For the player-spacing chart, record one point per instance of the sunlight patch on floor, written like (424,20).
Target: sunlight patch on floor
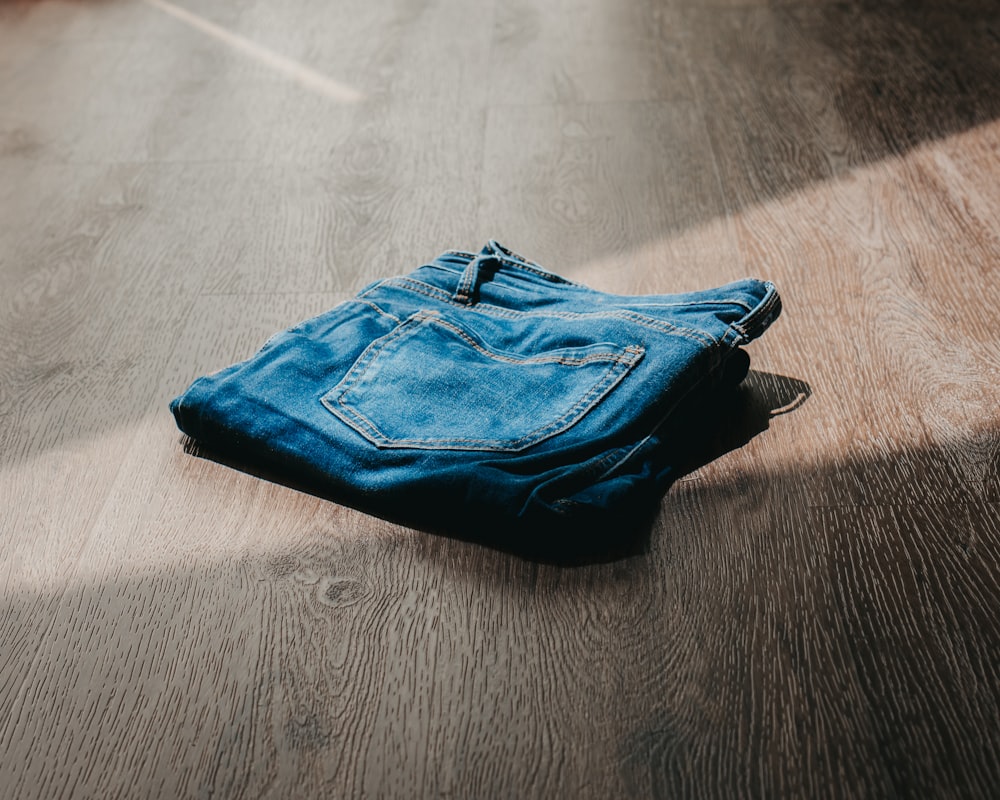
(301,74)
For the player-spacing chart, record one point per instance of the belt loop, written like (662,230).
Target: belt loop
(470,277)
(463,294)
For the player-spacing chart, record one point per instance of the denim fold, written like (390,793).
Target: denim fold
(482,389)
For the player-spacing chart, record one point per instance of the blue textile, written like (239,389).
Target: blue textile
(484,387)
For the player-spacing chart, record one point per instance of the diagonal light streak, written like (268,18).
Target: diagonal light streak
(309,78)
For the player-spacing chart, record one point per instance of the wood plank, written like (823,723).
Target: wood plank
(608,53)
(578,185)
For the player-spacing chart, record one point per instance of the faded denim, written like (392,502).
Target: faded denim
(484,388)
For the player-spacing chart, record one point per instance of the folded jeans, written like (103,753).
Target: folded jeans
(483,387)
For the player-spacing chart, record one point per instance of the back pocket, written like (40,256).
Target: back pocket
(431,385)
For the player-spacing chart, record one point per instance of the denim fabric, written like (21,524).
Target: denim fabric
(484,387)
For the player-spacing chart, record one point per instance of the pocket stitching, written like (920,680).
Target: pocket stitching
(620,364)
(529,359)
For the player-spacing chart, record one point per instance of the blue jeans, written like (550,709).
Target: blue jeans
(480,389)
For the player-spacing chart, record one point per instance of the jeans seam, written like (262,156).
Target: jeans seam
(535,436)
(739,303)
(490,310)
(551,277)
(570,362)
(618,366)
(759,317)
(381,311)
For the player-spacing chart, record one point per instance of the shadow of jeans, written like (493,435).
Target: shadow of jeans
(705,426)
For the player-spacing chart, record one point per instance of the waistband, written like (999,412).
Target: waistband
(495,263)
(497,281)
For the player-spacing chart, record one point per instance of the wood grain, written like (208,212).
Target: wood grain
(814,614)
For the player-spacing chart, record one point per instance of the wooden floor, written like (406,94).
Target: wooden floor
(817,612)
